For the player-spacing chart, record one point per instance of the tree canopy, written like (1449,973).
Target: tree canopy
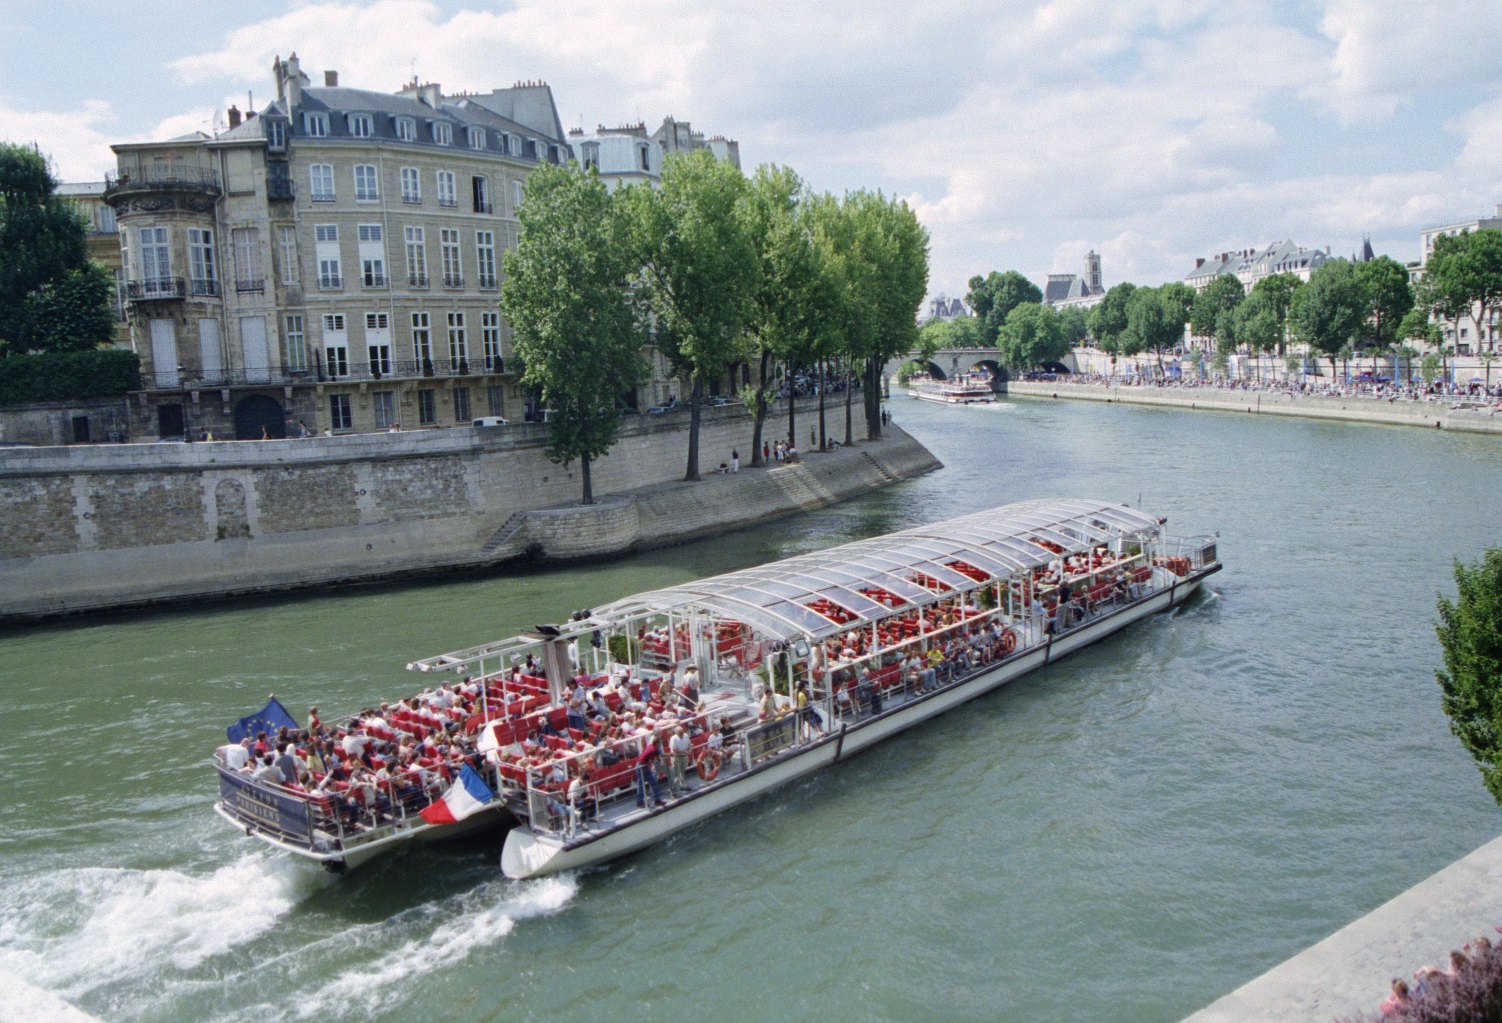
(52,298)
(1470,639)
(1328,311)
(1389,297)
(1108,320)
(994,296)
(566,294)
(698,268)
(1033,334)
(1212,311)
(1464,277)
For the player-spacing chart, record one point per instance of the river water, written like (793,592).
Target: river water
(1125,835)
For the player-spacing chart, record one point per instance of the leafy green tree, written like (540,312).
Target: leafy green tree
(1464,277)
(1389,297)
(698,269)
(1033,334)
(1417,326)
(1155,320)
(1470,639)
(1275,292)
(1075,323)
(1108,320)
(568,298)
(960,332)
(52,298)
(795,291)
(1212,310)
(994,296)
(1328,311)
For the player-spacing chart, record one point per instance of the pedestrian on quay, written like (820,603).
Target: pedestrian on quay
(735,460)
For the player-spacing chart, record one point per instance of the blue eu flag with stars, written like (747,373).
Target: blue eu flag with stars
(268,719)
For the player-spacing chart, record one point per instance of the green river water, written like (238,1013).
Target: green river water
(1125,835)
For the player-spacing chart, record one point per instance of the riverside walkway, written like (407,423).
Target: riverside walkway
(1436,414)
(1351,970)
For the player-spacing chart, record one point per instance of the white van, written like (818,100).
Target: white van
(491,421)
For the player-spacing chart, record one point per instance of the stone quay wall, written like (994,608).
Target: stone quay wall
(86,528)
(1430,414)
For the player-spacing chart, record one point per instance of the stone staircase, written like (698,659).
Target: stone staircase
(881,470)
(508,531)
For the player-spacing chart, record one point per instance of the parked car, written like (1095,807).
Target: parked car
(491,421)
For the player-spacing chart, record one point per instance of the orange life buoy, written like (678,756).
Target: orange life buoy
(1008,641)
(708,765)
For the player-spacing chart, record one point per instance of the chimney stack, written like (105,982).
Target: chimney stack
(1198,262)
(234,117)
(331,79)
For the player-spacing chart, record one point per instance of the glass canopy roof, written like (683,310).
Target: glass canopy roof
(775,598)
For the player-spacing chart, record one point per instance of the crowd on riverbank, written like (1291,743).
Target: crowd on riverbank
(1460,397)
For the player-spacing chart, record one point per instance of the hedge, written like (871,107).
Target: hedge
(68,376)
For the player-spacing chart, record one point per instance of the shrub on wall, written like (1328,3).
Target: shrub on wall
(68,376)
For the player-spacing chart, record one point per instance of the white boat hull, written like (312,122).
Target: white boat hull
(530,854)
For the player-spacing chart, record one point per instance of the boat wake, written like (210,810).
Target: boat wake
(446,931)
(75,930)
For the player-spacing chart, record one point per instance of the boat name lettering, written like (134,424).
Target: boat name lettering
(279,813)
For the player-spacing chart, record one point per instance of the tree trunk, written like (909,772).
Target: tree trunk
(871,397)
(761,411)
(823,388)
(693,431)
(792,403)
(589,494)
(849,398)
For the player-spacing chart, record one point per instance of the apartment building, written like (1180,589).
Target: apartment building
(331,261)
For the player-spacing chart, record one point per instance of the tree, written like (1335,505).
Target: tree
(568,298)
(1212,309)
(794,292)
(994,296)
(1418,326)
(1033,334)
(1076,325)
(52,298)
(1389,297)
(1155,319)
(698,269)
(1464,277)
(1276,292)
(1470,639)
(1108,320)
(1327,313)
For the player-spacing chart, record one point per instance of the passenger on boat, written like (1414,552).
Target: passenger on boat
(235,754)
(766,702)
(313,723)
(581,802)
(597,708)
(286,764)
(646,772)
(679,746)
(866,693)
(813,720)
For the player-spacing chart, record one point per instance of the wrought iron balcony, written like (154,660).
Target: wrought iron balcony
(330,282)
(280,188)
(373,280)
(417,280)
(486,281)
(162,179)
(250,284)
(453,280)
(203,288)
(483,207)
(447,202)
(156,289)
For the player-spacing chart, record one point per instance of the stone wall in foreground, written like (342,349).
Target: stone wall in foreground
(95,527)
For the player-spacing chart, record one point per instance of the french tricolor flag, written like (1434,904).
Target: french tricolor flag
(467,796)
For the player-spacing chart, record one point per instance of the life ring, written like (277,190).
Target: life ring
(708,765)
(1008,641)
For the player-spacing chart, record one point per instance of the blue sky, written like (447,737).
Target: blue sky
(1024,134)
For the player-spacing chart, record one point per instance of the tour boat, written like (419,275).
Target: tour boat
(968,389)
(790,667)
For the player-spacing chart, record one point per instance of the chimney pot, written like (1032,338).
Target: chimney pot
(331,79)
(234,117)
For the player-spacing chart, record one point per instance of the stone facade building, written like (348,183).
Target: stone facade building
(1062,290)
(1479,331)
(1251,265)
(332,260)
(631,155)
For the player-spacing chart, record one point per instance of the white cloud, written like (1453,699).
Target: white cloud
(75,140)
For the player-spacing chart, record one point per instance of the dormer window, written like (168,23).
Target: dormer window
(477,138)
(406,129)
(443,133)
(316,125)
(361,126)
(513,145)
(276,134)
(591,155)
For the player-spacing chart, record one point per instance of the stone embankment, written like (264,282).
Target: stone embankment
(1351,970)
(95,527)
(1429,414)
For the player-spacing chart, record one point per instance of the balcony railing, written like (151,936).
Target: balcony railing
(417,280)
(448,202)
(362,370)
(486,281)
(330,282)
(453,280)
(156,289)
(412,200)
(250,284)
(203,288)
(323,196)
(481,206)
(163,179)
(280,188)
(373,280)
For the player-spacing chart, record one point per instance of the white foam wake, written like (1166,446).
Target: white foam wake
(76,929)
(469,922)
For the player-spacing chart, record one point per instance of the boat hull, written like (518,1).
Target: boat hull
(528,854)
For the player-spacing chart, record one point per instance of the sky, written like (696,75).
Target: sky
(1023,133)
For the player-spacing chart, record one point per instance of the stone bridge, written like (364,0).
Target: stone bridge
(948,363)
